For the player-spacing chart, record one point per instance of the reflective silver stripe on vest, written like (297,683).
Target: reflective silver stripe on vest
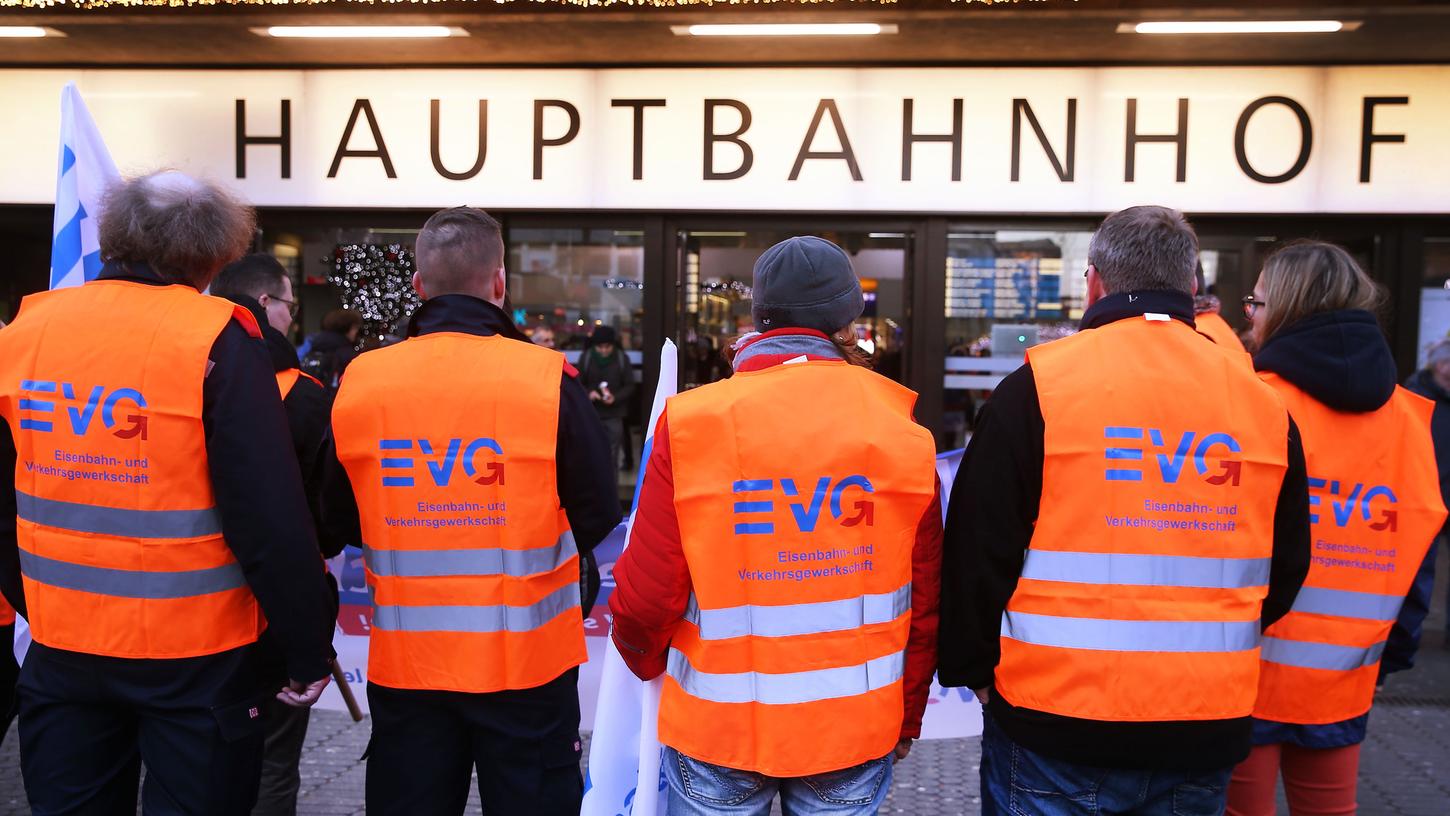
(89,518)
(1347,604)
(1130,635)
(1308,655)
(470,562)
(786,689)
(477,618)
(121,583)
(798,619)
(1145,570)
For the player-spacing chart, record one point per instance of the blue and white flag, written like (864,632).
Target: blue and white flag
(624,756)
(86,170)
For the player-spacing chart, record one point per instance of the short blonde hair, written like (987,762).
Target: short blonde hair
(1306,278)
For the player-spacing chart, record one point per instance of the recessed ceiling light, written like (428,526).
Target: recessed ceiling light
(362,32)
(784,29)
(27,32)
(1238,27)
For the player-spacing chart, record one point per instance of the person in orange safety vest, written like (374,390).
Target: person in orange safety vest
(1118,537)
(157,508)
(782,573)
(259,283)
(1375,507)
(476,475)
(1208,317)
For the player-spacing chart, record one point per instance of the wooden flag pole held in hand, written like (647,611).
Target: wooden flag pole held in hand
(346,691)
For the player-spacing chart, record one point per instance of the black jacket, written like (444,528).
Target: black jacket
(585,477)
(994,505)
(309,413)
(259,496)
(328,356)
(615,370)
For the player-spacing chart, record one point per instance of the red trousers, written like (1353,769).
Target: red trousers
(1317,782)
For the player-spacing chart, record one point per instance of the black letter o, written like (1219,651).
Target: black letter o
(1306,143)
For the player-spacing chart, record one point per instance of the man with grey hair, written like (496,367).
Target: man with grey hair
(472,464)
(1116,540)
(145,430)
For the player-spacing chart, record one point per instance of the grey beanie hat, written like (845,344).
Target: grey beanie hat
(806,283)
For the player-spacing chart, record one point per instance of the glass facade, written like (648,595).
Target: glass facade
(716,268)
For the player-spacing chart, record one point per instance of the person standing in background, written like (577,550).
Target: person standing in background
(473,469)
(261,285)
(1115,544)
(797,634)
(1208,317)
(328,353)
(1433,383)
(147,584)
(1365,439)
(605,372)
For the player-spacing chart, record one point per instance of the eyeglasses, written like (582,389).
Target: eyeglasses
(291,304)
(1252,305)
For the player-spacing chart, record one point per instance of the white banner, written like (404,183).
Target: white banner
(953,140)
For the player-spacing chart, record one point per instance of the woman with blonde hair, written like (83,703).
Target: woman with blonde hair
(1374,505)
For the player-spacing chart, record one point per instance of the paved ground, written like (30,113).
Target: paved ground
(1405,767)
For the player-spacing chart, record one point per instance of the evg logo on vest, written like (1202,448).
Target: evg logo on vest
(38,407)
(399,465)
(1359,497)
(805,513)
(1128,448)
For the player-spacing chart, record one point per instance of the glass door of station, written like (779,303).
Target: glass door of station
(714,273)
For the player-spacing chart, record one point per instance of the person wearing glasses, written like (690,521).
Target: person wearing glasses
(260,284)
(1375,507)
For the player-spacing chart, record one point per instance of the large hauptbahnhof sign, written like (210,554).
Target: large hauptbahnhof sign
(1251,140)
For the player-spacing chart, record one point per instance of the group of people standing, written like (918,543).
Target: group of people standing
(1168,572)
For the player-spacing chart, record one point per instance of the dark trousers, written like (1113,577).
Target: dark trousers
(9,673)
(88,722)
(524,745)
(286,731)
(1016,780)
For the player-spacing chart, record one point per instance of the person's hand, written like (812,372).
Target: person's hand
(983,694)
(594,396)
(903,748)
(302,695)
(608,399)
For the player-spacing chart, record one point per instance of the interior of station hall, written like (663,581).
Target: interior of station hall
(957,283)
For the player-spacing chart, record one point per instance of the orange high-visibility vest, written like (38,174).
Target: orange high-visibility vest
(287,380)
(798,527)
(449,441)
(1213,326)
(1375,509)
(120,541)
(1140,595)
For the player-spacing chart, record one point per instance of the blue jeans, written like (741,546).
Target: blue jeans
(701,789)
(1019,782)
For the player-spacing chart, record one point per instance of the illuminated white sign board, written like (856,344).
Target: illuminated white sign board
(969,140)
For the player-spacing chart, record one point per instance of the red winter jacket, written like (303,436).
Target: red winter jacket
(653,583)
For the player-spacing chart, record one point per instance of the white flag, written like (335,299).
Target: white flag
(624,755)
(85,171)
